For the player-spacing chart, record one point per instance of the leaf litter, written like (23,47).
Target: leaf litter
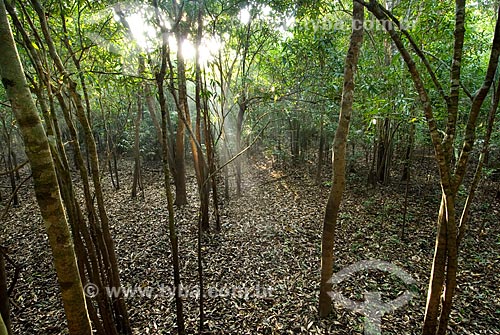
(261,273)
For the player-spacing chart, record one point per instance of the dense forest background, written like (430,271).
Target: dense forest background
(217,161)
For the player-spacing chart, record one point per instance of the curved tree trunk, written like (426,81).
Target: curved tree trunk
(339,152)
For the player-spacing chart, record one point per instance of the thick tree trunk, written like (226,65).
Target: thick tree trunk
(45,180)
(339,163)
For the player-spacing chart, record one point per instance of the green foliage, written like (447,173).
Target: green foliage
(286,63)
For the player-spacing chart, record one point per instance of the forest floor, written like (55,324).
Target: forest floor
(261,271)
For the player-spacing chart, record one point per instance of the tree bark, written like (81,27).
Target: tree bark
(4,296)
(339,162)
(482,157)
(137,180)
(172,229)
(320,151)
(183,111)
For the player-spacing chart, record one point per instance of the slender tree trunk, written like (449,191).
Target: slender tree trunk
(183,111)
(482,157)
(321,150)
(122,319)
(225,169)
(102,264)
(339,153)
(211,158)
(180,166)
(9,163)
(199,159)
(201,170)
(239,128)
(12,177)
(137,180)
(174,242)
(109,156)
(86,247)
(114,154)
(172,229)
(407,175)
(45,180)
(294,140)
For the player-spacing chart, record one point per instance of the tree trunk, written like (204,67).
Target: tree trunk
(211,160)
(239,128)
(406,177)
(384,151)
(172,229)
(45,181)
(4,297)
(108,145)
(3,328)
(482,158)
(201,166)
(182,110)
(9,164)
(320,151)
(339,162)
(137,180)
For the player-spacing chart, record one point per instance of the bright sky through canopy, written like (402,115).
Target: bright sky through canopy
(142,31)
(147,35)
(244,15)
